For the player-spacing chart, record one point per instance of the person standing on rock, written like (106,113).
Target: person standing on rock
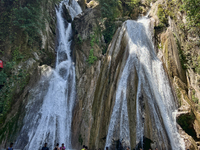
(62,147)
(45,147)
(10,148)
(57,147)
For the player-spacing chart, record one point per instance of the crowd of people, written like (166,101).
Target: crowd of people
(63,147)
(83,148)
(127,148)
(140,148)
(56,148)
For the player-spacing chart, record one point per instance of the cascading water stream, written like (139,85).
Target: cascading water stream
(153,84)
(52,122)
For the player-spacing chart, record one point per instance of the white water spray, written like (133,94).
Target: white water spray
(52,122)
(153,83)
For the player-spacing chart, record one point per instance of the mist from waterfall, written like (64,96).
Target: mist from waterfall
(51,123)
(153,83)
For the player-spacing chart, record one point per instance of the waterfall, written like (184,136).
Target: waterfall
(51,122)
(153,94)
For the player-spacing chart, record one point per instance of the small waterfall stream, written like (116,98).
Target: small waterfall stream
(153,93)
(52,122)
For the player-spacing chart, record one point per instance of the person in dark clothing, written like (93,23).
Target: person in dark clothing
(106,148)
(86,148)
(57,147)
(45,147)
(10,148)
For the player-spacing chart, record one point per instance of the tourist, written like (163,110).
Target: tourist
(127,148)
(57,147)
(10,148)
(62,147)
(106,148)
(140,148)
(45,147)
(83,147)
(156,148)
(86,148)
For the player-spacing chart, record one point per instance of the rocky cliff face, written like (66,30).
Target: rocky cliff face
(92,112)
(97,87)
(33,67)
(87,75)
(172,42)
(97,82)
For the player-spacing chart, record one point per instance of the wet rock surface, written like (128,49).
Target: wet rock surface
(96,96)
(171,41)
(97,83)
(35,68)
(66,14)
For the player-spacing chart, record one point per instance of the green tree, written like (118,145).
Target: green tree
(109,9)
(192,8)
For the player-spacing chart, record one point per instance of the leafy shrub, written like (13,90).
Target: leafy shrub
(3,77)
(192,8)
(161,15)
(29,19)
(110,11)
(197,67)
(92,58)
(194,97)
(109,8)
(15,81)
(16,55)
(133,3)
(109,32)
(80,139)
(21,15)
(80,40)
